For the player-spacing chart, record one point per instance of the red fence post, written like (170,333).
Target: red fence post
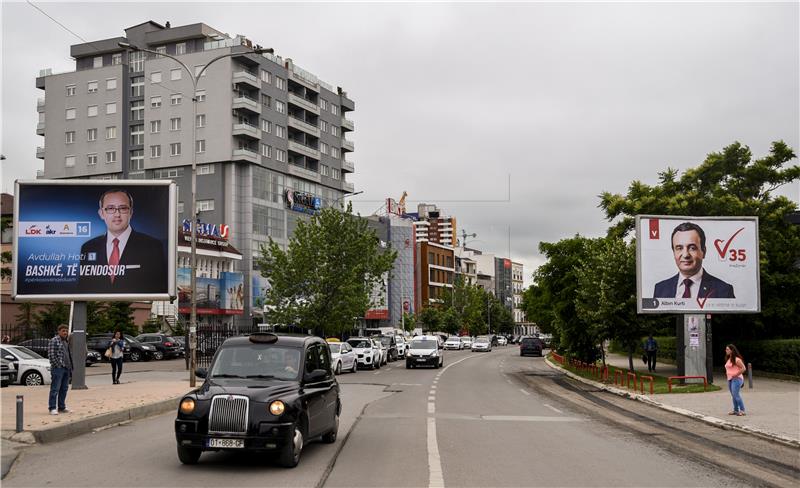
(652,381)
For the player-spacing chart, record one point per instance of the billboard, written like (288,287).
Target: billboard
(215,296)
(697,264)
(94,240)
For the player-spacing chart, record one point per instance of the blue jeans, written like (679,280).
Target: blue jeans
(735,385)
(59,384)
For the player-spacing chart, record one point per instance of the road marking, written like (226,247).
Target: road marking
(434,387)
(435,475)
(431,398)
(431,407)
(524,392)
(377,372)
(509,381)
(553,408)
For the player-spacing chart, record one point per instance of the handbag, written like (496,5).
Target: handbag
(644,358)
(108,353)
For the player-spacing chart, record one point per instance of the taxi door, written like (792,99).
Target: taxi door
(317,394)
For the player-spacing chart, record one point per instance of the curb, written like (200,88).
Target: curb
(84,426)
(713,421)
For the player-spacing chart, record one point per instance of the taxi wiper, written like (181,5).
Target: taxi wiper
(265,376)
(227,376)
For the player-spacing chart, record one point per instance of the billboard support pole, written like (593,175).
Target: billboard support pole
(680,345)
(77,345)
(709,352)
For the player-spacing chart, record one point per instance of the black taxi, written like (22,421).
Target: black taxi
(263,392)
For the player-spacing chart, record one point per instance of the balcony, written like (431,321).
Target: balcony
(303,149)
(247,130)
(39,174)
(245,103)
(246,78)
(40,152)
(347,146)
(303,103)
(303,126)
(348,167)
(40,129)
(347,125)
(245,155)
(40,104)
(348,187)
(303,173)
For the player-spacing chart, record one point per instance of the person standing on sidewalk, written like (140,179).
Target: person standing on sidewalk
(60,371)
(651,349)
(117,346)
(734,369)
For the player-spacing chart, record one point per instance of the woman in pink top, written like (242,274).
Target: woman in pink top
(734,367)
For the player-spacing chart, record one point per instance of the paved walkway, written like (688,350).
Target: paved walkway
(772,405)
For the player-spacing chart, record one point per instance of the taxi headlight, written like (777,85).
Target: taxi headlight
(277,407)
(187,406)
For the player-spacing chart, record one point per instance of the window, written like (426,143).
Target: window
(266,76)
(91,87)
(335,130)
(280,131)
(280,155)
(137,110)
(70,90)
(91,135)
(180,48)
(205,205)
(111,157)
(91,110)
(175,149)
(266,126)
(137,135)
(266,150)
(334,109)
(137,86)
(323,147)
(111,132)
(155,151)
(97,62)
(155,77)
(199,71)
(266,100)
(268,221)
(69,161)
(136,61)
(205,169)
(175,123)
(137,161)
(280,83)
(325,126)
(111,84)
(335,152)
(155,126)
(175,74)
(155,102)
(280,107)
(111,108)
(324,170)
(180,207)
(323,104)
(161,50)
(116,59)
(167,173)
(91,159)
(69,137)
(200,95)
(175,99)
(200,146)
(336,174)
(200,120)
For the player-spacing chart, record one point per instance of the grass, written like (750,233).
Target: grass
(659,382)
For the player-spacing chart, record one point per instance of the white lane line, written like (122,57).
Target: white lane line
(524,392)
(431,398)
(433,387)
(431,408)
(553,408)
(435,475)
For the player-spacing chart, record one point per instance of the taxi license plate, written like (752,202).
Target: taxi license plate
(226,443)
(421,360)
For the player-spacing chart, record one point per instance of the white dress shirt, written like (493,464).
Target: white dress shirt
(694,289)
(123,239)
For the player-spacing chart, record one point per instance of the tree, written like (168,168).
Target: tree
(730,182)
(325,276)
(450,322)
(410,321)
(431,319)
(119,315)
(5,271)
(96,318)
(51,317)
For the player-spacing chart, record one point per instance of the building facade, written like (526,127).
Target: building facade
(435,272)
(267,135)
(398,295)
(504,290)
(517,286)
(432,226)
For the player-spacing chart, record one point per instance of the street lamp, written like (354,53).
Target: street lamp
(349,194)
(195,79)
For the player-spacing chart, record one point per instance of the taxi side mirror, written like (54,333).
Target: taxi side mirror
(314,376)
(201,372)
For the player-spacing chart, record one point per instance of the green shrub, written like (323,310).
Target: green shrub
(666,347)
(774,356)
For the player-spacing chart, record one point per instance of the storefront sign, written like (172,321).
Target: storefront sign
(302,202)
(219,231)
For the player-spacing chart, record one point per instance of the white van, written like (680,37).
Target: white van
(424,351)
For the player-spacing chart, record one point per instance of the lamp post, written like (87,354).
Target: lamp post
(349,194)
(195,79)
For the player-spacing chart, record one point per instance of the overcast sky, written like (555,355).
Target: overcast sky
(569,99)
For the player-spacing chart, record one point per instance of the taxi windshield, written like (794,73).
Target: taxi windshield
(257,361)
(424,344)
(335,347)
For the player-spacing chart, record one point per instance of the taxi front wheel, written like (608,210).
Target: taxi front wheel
(290,454)
(189,455)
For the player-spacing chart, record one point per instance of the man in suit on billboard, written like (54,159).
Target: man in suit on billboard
(122,260)
(692,281)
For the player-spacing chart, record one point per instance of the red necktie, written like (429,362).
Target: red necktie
(114,259)
(686,293)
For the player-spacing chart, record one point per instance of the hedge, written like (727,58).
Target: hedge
(666,347)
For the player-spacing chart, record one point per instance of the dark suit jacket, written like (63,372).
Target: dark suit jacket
(710,287)
(142,250)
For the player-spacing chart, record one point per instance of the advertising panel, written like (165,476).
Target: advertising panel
(258,289)
(215,296)
(94,240)
(697,264)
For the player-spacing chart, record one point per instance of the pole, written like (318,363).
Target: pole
(77,345)
(489,313)
(20,411)
(193,319)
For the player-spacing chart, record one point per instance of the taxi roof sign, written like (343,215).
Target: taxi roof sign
(263,338)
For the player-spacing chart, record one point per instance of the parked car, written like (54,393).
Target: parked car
(166,347)
(502,341)
(482,343)
(8,373)
(466,342)
(424,351)
(390,344)
(367,354)
(343,357)
(384,352)
(138,350)
(181,347)
(453,342)
(531,345)
(264,392)
(32,369)
(39,346)
(402,346)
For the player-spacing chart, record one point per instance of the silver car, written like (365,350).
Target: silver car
(482,344)
(343,357)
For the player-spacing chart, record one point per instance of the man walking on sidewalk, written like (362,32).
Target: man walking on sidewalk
(60,371)
(651,348)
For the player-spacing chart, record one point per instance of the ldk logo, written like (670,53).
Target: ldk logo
(33,230)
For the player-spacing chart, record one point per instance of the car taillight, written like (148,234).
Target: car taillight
(168,344)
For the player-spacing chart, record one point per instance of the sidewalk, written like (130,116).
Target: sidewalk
(772,405)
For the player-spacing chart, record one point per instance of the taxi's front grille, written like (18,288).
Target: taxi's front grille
(228,414)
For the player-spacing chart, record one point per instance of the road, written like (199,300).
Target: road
(486,419)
